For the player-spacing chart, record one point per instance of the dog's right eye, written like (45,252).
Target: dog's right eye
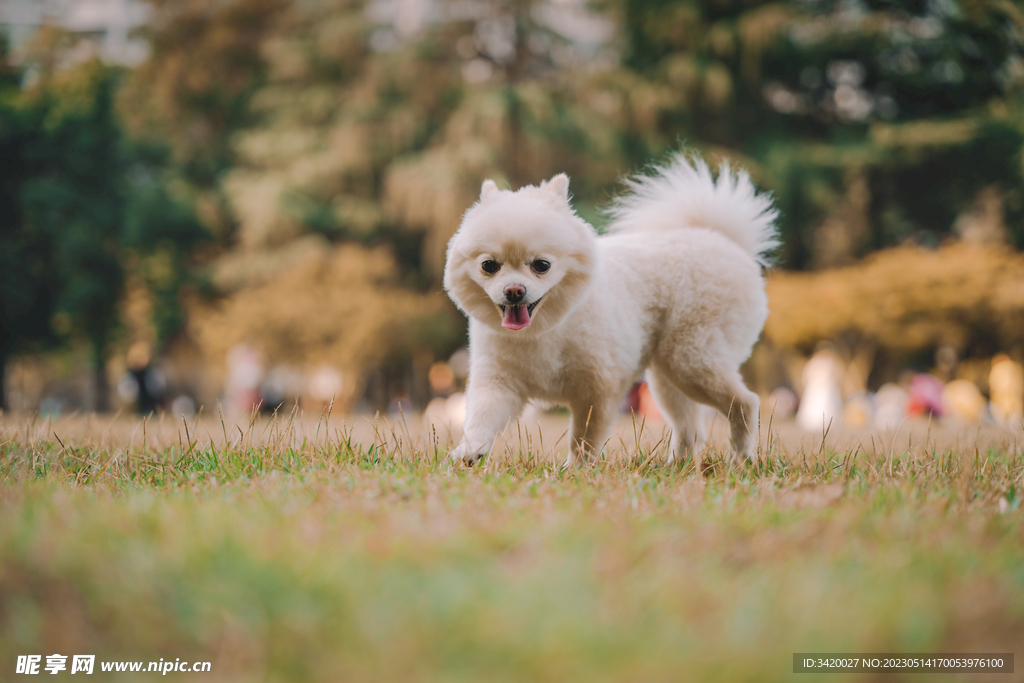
(490,267)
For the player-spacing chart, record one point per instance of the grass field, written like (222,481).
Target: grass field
(290,551)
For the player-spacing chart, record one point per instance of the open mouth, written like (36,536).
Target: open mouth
(517,316)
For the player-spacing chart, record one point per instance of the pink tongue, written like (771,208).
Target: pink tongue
(516,317)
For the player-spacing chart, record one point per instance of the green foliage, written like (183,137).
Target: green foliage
(195,90)
(337,123)
(832,102)
(81,207)
(75,197)
(161,234)
(28,292)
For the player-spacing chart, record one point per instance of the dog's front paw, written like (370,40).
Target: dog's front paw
(464,455)
(574,460)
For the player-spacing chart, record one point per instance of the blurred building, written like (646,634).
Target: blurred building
(105,27)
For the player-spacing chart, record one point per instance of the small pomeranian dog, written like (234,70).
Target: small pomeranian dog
(560,314)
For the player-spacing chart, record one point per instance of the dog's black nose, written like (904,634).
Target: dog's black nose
(515,293)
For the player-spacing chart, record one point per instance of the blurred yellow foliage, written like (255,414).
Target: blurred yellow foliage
(904,298)
(342,307)
(757,29)
(430,193)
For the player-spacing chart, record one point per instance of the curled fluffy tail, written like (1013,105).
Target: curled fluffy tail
(683,194)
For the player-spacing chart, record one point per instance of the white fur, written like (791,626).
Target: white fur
(676,289)
(685,194)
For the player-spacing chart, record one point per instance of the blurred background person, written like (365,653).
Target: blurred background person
(890,407)
(821,404)
(325,387)
(242,385)
(1006,384)
(143,385)
(963,402)
(925,397)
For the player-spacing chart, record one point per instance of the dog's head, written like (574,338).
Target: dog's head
(521,260)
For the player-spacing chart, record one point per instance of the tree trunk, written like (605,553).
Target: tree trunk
(102,388)
(3,377)
(100,385)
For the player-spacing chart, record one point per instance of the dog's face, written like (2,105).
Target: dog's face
(521,260)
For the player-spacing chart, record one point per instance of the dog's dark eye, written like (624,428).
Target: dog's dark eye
(490,267)
(541,266)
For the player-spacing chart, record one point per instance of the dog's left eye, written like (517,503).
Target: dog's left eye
(541,266)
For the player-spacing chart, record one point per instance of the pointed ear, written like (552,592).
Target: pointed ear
(489,190)
(557,186)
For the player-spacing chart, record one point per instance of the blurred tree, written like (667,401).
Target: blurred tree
(161,237)
(194,92)
(27,288)
(873,121)
(963,296)
(89,205)
(327,98)
(76,197)
(524,112)
(316,124)
(342,306)
(350,118)
(364,126)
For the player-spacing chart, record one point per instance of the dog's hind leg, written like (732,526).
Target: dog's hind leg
(686,417)
(725,391)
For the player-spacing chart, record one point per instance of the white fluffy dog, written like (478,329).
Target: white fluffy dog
(561,314)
